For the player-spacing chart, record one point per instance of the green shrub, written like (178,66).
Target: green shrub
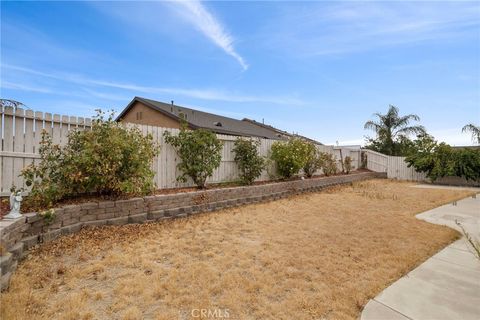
(290,156)
(108,160)
(249,162)
(440,160)
(312,163)
(48,179)
(328,163)
(347,164)
(199,152)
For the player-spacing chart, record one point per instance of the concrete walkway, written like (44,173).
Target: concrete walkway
(446,286)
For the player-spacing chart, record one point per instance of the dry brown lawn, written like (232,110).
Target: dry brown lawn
(314,256)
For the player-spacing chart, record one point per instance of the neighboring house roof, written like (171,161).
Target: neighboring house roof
(280,133)
(199,119)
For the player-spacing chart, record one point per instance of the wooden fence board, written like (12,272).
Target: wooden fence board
(20,147)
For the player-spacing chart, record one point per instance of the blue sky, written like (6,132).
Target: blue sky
(317,68)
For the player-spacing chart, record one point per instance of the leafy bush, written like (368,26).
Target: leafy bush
(347,164)
(290,156)
(199,151)
(249,162)
(48,216)
(109,160)
(48,179)
(328,163)
(312,162)
(440,160)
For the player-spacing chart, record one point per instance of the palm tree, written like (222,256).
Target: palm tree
(391,127)
(475,131)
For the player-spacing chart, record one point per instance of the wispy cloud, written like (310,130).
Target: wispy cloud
(203,94)
(23,87)
(195,13)
(349,27)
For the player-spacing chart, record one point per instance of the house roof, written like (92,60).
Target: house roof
(280,133)
(200,119)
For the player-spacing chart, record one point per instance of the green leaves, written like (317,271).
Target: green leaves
(109,160)
(248,160)
(199,151)
(290,156)
(440,160)
(328,163)
(392,132)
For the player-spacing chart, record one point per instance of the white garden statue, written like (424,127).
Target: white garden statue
(15,202)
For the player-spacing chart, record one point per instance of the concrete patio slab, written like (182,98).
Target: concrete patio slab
(446,286)
(419,299)
(458,257)
(377,311)
(436,186)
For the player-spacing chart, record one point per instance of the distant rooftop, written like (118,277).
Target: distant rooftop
(201,119)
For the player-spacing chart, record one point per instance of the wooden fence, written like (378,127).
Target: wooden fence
(21,135)
(395,167)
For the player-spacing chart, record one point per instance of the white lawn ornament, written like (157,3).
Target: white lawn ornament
(15,202)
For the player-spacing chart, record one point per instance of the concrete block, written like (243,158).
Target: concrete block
(95,211)
(53,226)
(76,227)
(138,218)
(65,216)
(121,212)
(106,215)
(70,221)
(171,212)
(137,211)
(95,223)
(88,217)
(111,209)
(5,281)
(117,221)
(106,204)
(89,205)
(34,231)
(74,210)
(51,235)
(155,215)
(32,217)
(129,203)
(17,250)
(5,262)
(30,241)
(187,210)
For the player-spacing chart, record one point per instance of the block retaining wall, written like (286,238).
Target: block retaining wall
(20,235)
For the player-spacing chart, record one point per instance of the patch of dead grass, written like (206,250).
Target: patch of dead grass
(321,256)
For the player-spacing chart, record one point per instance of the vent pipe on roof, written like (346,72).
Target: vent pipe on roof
(172,102)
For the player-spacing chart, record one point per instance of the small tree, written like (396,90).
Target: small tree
(248,160)
(312,162)
(347,164)
(328,163)
(289,156)
(199,151)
